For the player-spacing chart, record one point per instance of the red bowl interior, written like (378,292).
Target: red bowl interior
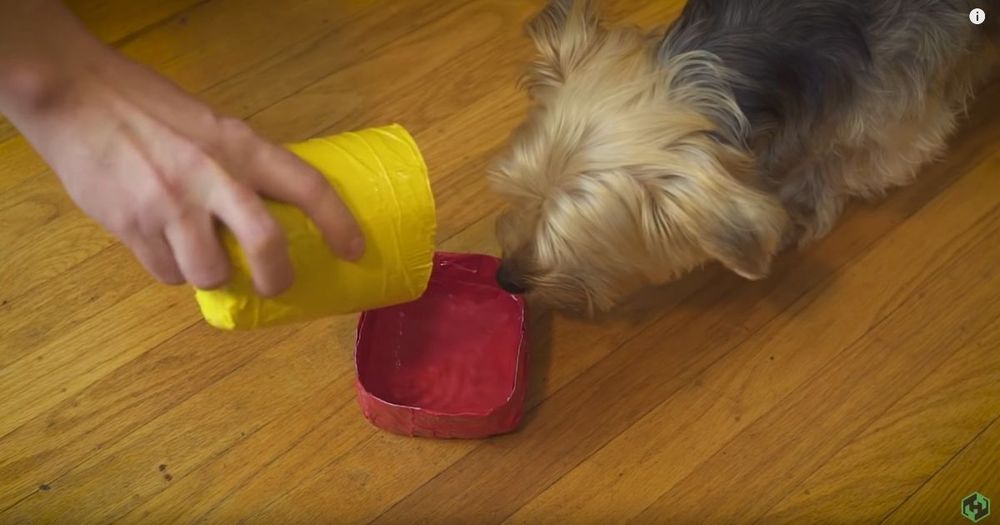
(454,352)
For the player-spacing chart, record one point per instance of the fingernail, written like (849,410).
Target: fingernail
(356,249)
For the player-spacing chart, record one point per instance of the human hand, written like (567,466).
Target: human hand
(159,169)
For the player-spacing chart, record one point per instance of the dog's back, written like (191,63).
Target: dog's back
(842,96)
(801,60)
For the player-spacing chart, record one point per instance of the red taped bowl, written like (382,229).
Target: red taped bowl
(451,364)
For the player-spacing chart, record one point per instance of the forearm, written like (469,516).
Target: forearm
(44,50)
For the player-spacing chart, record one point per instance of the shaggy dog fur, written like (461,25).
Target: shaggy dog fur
(742,129)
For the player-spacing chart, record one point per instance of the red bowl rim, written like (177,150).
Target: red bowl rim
(519,372)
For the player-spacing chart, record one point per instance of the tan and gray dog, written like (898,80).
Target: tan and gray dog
(742,129)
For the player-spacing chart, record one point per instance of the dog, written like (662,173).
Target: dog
(739,131)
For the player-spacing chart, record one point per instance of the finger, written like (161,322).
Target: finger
(258,233)
(287,178)
(197,250)
(155,255)
(279,174)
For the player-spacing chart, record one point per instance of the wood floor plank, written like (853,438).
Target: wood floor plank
(52,249)
(909,444)
(224,489)
(28,321)
(115,20)
(18,163)
(237,408)
(55,371)
(55,443)
(32,204)
(803,430)
(975,469)
(223,38)
(364,41)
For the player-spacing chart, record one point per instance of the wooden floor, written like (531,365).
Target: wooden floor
(860,383)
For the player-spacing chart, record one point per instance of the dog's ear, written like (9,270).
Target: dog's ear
(749,235)
(703,208)
(746,225)
(563,32)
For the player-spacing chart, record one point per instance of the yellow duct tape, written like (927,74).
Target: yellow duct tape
(382,178)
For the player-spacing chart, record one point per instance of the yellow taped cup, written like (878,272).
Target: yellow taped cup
(381,176)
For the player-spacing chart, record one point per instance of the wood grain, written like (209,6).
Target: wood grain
(977,464)
(858,384)
(951,407)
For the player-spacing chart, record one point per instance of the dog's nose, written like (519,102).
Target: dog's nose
(507,281)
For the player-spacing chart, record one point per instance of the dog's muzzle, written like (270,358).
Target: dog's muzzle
(507,281)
